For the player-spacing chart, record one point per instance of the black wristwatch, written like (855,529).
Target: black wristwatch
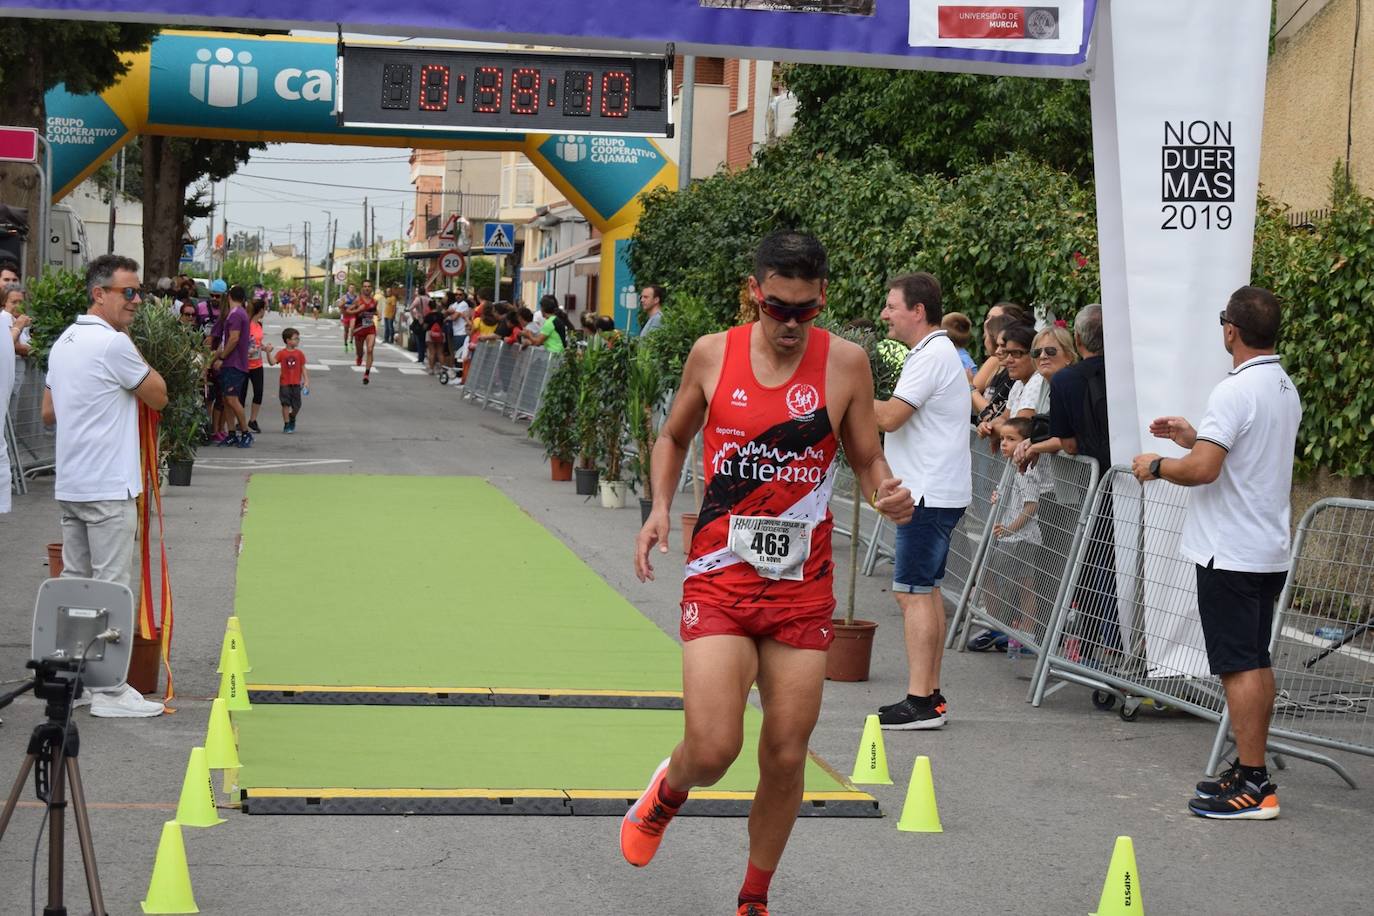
(1154,468)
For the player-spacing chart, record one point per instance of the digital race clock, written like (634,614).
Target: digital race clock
(421,88)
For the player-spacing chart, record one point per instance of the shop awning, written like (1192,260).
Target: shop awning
(561,258)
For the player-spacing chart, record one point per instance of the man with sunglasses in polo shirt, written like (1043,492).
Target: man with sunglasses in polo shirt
(1240,460)
(773,400)
(96,379)
(926,421)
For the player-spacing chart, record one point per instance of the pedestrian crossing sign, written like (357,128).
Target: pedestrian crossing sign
(498,238)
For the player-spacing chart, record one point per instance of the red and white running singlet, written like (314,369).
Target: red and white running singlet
(770,455)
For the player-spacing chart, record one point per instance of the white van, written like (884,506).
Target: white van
(67,244)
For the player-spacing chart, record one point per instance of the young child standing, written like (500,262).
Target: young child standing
(1012,564)
(960,331)
(295,378)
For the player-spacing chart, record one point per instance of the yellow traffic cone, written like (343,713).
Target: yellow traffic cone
(169,890)
(870,764)
(233,644)
(231,687)
(197,805)
(919,813)
(1121,890)
(220,750)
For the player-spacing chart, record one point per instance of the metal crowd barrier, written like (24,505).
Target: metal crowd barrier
(35,445)
(539,365)
(483,370)
(18,484)
(1323,641)
(1129,627)
(1037,521)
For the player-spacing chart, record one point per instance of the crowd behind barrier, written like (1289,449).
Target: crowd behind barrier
(1100,595)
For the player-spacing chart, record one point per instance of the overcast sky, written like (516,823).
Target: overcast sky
(288,184)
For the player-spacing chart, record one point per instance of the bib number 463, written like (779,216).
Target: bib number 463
(770,544)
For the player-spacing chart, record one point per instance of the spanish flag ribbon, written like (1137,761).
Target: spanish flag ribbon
(148,627)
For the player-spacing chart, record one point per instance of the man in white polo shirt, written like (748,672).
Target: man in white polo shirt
(96,378)
(1240,460)
(927,446)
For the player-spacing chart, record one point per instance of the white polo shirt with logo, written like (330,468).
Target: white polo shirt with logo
(1239,522)
(929,453)
(92,373)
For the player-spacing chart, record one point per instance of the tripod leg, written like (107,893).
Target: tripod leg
(13,799)
(57,822)
(83,833)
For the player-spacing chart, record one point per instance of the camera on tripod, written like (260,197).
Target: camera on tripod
(82,637)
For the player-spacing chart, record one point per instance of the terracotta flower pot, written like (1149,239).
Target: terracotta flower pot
(145,664)
(689,527)
(54,560)
(560,469)
(849,655)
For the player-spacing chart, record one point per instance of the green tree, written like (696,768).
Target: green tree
(942,122)
(39,54)
(175,164)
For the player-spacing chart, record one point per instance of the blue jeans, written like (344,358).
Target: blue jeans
(923,548)
(388,330)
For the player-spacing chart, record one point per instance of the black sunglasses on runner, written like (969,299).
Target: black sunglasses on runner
(786,311)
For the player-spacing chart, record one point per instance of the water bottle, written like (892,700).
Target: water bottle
(305,391)
(1013,650)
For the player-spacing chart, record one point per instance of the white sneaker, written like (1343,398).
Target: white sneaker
(124,703)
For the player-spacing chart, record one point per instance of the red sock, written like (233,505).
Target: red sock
(670,797)
(755,889)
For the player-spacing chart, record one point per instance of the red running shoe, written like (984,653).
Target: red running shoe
(641,830)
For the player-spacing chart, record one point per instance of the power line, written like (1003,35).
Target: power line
(326,161)
(352,187)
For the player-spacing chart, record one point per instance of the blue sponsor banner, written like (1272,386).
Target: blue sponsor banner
(81,129)
(626,296)
(607,171)
(880,33)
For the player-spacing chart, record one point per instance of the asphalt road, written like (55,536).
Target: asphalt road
(1031,800)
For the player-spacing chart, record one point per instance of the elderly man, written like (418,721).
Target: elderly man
(96,378)
(1240,459)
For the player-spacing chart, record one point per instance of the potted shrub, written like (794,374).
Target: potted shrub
(608,381)
(587,429)
(54,301)
(686,319)
(554,424)
(645,396)
(180,356)
(851,653)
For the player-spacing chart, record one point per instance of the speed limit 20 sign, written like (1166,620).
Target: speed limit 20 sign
(452,263)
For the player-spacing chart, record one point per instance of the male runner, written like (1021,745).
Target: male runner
(364,312)
(346,314)
(759,591)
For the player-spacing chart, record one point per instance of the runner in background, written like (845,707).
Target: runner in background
(776,397)
(345,304)
(364,313)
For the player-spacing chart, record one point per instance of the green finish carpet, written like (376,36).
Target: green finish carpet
(357,581)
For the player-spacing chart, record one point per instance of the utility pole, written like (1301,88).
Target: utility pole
(116,187)
(261,233)
(210,236)
(226,227)
(305,280)
(366,237)
(376,255)
(688,96)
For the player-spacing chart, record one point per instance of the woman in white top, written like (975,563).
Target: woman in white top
(1028,389)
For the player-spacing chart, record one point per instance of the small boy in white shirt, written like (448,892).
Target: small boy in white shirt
(1017,534)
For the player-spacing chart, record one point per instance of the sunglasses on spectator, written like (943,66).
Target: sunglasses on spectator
(130,292)
(787,311)
(1225,321)
(1038,352)
(1014,354)
(189,314)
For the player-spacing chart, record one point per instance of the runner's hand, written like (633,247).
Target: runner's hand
(894,501)
(655,531)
